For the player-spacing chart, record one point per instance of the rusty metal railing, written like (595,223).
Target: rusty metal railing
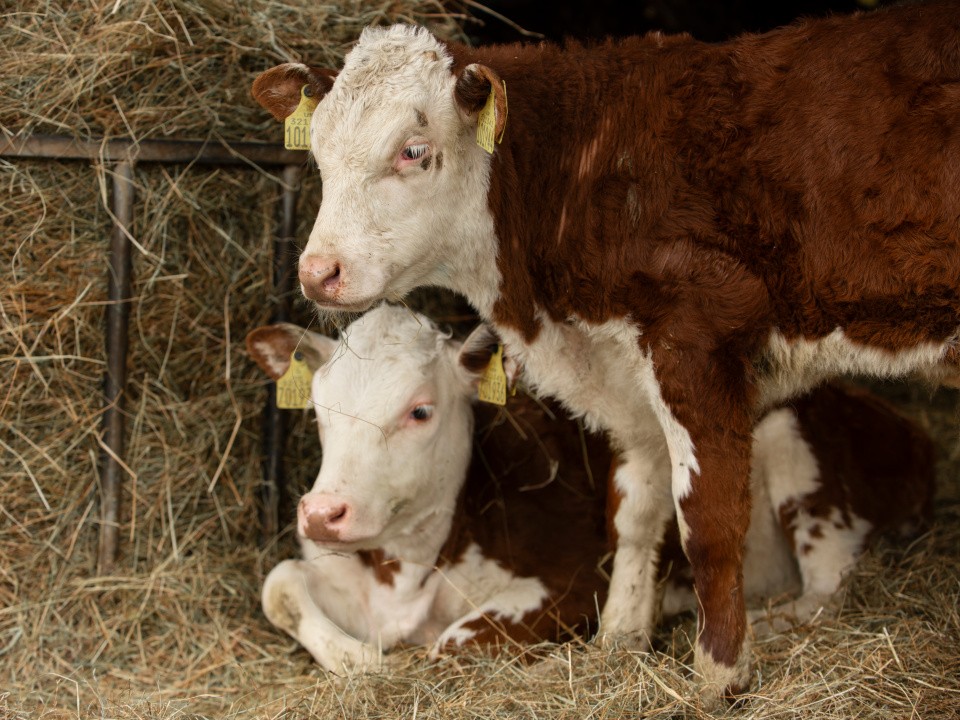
(125,155)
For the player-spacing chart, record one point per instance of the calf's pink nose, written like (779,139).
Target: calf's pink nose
(323,517)
(320,276)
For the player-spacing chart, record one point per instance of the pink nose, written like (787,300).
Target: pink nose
(323,517)
(320,276)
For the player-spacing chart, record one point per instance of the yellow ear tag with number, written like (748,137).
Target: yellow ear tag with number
(296,128)
(487,121)
(293,387)
(493,385)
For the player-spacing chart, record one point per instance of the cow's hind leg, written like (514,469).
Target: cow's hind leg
(827,545)
(287,603)
(641,484)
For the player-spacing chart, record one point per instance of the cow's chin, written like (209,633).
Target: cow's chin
(349,544)
(347,310)
(339,310)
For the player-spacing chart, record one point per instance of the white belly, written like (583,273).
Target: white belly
(790,367)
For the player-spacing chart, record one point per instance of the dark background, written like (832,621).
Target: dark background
(710,20)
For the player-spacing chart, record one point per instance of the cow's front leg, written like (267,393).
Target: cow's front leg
(288,604)
(518,614)
(706,417)
(641,506)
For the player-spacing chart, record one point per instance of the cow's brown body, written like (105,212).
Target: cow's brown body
(795,182)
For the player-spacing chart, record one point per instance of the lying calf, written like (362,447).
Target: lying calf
(423,530)
(419,529)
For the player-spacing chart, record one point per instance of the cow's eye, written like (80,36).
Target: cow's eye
(422,413)
(414,152)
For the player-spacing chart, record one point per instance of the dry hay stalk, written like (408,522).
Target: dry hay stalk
(159,68)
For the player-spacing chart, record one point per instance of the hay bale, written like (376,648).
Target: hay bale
(171,67)
(187,583)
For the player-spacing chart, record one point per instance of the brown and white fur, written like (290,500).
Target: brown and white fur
(516,556)
(432,522)
(670,237)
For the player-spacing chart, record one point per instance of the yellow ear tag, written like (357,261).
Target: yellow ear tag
(293,387)
(487,121)
(296,128)
(493,384)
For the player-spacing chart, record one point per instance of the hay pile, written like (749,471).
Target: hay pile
(177,628)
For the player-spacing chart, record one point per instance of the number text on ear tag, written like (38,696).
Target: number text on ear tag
(293,387)
(487,121)
(296,128)
(493,384)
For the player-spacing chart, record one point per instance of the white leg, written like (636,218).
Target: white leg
(826,549)
(288,605)
(643,483)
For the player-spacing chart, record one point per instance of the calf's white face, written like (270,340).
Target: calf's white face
(404,183)
(393,411)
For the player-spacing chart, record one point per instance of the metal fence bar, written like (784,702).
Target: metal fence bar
(127,153)
(273,481)
(115,382)
(143,151)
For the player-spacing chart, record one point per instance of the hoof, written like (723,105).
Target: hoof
(722,684)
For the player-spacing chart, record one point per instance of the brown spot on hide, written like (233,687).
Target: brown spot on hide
(383,568)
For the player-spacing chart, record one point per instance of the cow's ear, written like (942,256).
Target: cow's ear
(271,346)
(278,89)
(476,352)
(472,90)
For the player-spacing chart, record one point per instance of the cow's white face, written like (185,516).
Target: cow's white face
(393,413)
(404,183)
(393,405)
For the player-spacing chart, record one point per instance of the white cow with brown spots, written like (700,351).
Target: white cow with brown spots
(417,529)
(436,523)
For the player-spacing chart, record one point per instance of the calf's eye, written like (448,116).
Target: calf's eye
(414,152)
(422,412)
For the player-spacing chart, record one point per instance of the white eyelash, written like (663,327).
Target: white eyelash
(415,152)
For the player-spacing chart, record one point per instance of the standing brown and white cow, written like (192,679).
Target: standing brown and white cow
(670,235)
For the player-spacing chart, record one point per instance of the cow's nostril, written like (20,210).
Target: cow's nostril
(333,278)
(337,515)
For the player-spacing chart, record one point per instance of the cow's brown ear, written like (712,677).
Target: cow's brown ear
(476,352)
(271,346)
(278,89)
(472,89)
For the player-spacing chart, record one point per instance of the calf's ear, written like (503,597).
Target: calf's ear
(476,353)
(472,88)
(271,346)
(278,89)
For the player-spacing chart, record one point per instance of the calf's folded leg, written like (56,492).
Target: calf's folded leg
(287,603)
